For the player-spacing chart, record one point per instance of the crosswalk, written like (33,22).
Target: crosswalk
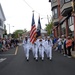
(2,59)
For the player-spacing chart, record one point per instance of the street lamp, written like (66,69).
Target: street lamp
(9,27)
(48,18)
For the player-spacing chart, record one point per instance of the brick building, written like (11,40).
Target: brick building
(63,17)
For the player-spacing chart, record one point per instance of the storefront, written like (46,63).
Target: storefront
(71,26)
(63,28)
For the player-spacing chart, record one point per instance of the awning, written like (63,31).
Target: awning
(62,20)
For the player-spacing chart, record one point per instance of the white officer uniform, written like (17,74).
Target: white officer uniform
(41,48)
(26,45)
(49,48)
(45,45)
(35,50)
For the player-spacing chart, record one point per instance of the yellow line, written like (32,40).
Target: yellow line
(16,50)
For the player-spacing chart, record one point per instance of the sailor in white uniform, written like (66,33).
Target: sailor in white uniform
(45,44)
(35,51)
(26,45)
(49,48)
(41,49)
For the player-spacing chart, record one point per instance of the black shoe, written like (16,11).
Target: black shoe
(50,59)
(40,57)
(47,57)
(27,59)
(42,60)
(36,59)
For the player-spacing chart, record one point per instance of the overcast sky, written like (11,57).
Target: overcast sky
(19,14)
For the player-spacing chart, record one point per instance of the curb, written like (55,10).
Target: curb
(73,53)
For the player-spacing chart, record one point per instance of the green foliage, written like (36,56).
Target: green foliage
(49,28)
(18,33)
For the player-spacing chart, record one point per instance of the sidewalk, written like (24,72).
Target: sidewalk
(73,53)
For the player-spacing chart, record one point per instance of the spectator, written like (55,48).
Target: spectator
(72,43)
(68,46)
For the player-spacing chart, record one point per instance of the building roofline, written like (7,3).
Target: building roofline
(2,12)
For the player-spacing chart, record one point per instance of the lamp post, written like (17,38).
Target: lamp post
(9,28)
(48,18)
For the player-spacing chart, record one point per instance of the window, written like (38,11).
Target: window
(71,25)
(0,22)
(61,3)
(55,13)
(70,21)
(53,1)
(67,0)
(63,28)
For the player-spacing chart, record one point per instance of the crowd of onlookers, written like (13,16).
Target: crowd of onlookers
(64,45)
(6,44)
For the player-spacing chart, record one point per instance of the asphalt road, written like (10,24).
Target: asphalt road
(13,62)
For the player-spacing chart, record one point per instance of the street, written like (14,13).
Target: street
(13,62)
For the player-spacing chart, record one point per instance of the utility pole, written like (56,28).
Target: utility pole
(9,28)
(48,19)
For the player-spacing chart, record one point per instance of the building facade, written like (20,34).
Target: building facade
(2,19)
(63,17)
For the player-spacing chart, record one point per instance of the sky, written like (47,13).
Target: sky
(18,13)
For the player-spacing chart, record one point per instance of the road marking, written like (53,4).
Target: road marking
(11,54)
(2,59)
(16,50)
(20,44)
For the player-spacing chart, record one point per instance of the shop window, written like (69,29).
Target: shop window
(71,25)
(63,28)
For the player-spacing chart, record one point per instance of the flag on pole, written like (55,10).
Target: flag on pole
(39,28)
(33,30)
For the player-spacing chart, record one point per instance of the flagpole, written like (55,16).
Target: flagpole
(33,11)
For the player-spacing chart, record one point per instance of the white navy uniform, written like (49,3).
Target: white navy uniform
(35,50)
(49,49)
(41,49)
(26,45)
(45,46)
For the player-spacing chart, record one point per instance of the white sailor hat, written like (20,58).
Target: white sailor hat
(48,37)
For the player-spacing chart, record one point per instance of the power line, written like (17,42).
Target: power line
(30,7)
(28,4)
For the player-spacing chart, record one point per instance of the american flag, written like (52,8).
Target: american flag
(33,30)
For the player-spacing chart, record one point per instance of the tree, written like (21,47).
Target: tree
(49,28)
(18,33)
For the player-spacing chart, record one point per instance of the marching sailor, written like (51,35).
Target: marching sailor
(45,45)
(26,45)
(41,49)
(35,51)
(49,48)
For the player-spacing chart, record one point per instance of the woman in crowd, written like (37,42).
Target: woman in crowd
(69,46)
(72,43)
